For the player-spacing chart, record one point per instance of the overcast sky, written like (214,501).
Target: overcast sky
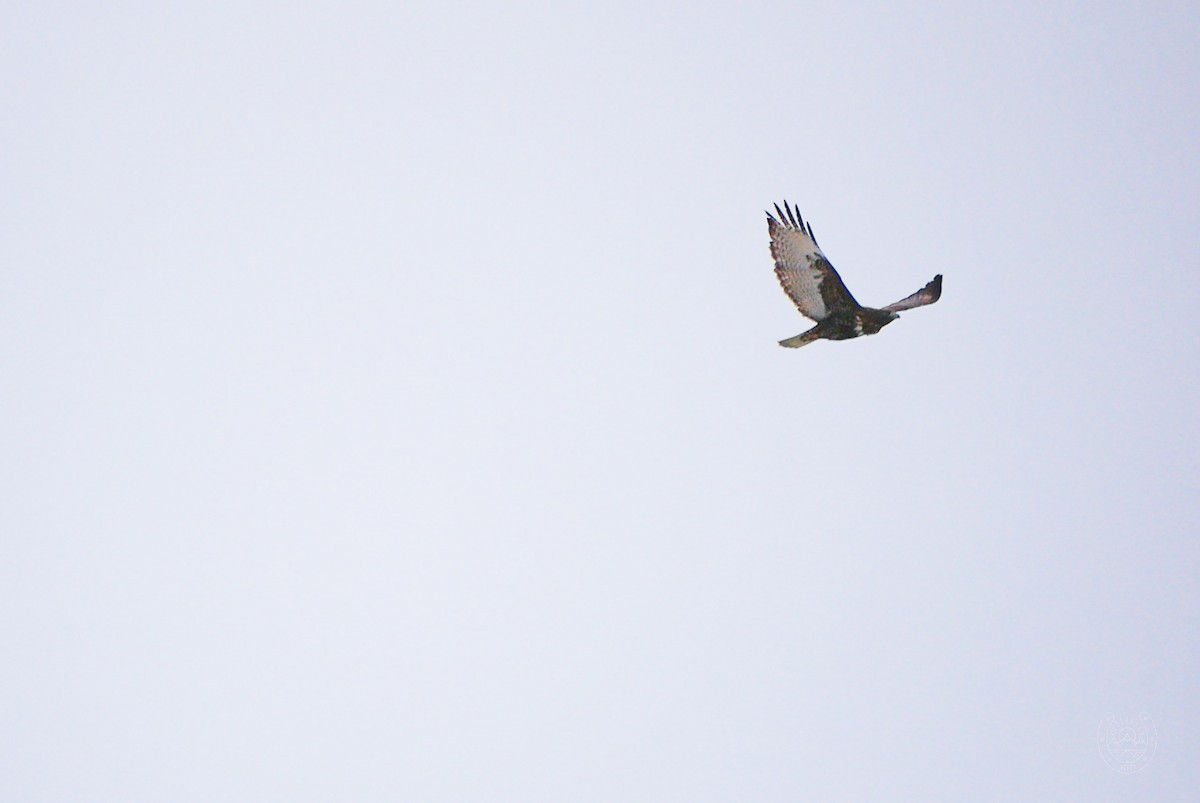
(392,409)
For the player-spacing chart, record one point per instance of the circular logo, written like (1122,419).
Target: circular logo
(1127,745)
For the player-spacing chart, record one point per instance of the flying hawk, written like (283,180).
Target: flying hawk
(817,290)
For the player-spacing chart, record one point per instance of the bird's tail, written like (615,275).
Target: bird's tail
(802,339)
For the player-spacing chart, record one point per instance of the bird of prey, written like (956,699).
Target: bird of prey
(817,290)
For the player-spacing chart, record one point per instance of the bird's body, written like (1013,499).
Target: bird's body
(818,291)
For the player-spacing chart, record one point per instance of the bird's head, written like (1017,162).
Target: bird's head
(885,318)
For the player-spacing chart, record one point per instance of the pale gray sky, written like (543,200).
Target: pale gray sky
(393,411)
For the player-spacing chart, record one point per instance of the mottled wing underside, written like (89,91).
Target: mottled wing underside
(806,275)
(926,295)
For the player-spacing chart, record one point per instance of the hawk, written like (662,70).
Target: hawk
(819,293)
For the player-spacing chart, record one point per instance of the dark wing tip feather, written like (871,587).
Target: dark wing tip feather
(790,217)
(935,288)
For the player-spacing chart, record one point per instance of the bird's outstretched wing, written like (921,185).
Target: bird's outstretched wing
(926,295)
(806,275)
